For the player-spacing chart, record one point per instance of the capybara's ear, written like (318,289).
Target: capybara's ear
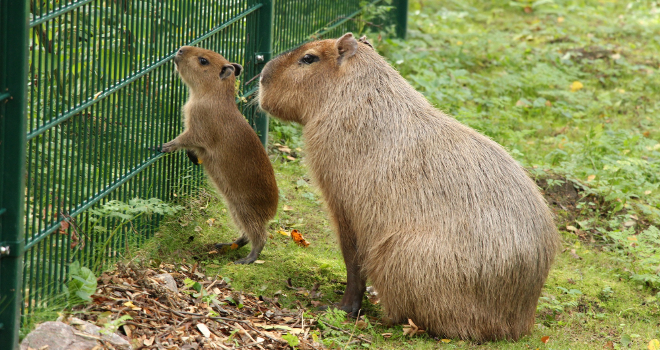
(346,46)
(237,69)
(364,40)
(227,70)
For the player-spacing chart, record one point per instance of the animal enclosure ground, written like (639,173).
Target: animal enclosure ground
(572,89)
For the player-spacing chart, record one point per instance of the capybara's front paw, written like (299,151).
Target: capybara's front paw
(168,147)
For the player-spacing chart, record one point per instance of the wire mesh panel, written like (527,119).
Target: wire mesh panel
(101,91)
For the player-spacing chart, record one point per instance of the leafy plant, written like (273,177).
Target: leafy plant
(112,326)
(81,286)
(641,252)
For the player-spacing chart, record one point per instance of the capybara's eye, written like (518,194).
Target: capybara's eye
(309,59)
(203,61)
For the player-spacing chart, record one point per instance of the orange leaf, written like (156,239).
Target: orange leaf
(299,239)
(545,339)
(234,246)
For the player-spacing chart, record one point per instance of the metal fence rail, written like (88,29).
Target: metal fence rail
(86,86)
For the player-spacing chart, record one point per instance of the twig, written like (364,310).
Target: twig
(353,331)
(250,344)
(346,332)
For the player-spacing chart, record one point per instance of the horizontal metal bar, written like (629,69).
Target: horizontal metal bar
(64,117)
(58,12)
(328,29)
(94,199)
(4,96)
(249,93)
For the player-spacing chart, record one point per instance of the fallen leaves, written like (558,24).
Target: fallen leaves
(299,239)
(545,339)
(206,314)
(654,344)
(205,330)
(576,85)
(411,329)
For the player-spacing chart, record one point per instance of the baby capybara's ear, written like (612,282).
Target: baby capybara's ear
(346,47)
(226,71)
(238,69)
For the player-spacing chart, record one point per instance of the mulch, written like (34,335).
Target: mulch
(205,315)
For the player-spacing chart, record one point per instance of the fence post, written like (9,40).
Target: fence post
(14,24)
(401,17)
(264,53)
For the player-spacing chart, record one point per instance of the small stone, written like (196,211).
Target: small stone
(169,281)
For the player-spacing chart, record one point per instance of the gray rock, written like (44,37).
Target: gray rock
(57,336)
(79,335)
(168,281)
(113,338)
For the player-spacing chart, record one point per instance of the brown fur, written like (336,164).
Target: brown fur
(444,223)
(232,155)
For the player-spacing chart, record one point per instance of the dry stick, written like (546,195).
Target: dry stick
(346,332)
(249,336)
(250,344)
(353,331)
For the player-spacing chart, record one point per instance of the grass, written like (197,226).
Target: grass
(572,90)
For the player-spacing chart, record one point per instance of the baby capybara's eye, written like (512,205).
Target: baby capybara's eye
(203,61)
(309,59)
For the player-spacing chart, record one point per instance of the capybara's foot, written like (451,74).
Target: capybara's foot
(246,260)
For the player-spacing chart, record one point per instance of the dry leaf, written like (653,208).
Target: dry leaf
(198,229)
(299,239)
(545,339)
(560,19)
(210,221)
(411,329)
(591,177)
(576,85)
(445,340)
(386,335)
(287,208)
(283,233)
(284,149)
(571,228)
(259,261)
(574,254)
(132,306)
(148,342)
(233,246)
(654,344)
(205,330)
(361,324)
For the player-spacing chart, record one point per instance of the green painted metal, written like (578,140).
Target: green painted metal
(13,70)
(99,92)
(401,18)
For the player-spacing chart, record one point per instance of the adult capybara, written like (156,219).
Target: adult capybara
(444,223)
(232,155)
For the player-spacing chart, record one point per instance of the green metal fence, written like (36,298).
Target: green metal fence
(86,86)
